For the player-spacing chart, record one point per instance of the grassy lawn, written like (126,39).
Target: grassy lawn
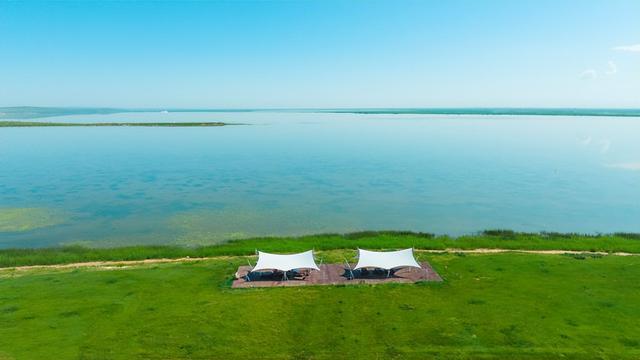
(490,306)
(502,239)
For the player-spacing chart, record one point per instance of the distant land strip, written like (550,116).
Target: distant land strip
(33,112)
(493,111)
(148,124)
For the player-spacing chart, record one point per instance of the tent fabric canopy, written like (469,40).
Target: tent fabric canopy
(285,262)
(386,259)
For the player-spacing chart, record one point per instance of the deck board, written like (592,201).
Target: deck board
(334,274)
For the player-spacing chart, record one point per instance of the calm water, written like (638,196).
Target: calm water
(297,173)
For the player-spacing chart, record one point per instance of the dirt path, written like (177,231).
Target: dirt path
(108,264)
(541,252)
(128,263)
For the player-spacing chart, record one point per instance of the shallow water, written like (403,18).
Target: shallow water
(297,173)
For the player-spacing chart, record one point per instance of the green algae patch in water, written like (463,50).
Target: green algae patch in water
(26,219)
(206,227)
(215,226)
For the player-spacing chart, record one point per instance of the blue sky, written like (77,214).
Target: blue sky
(325,53)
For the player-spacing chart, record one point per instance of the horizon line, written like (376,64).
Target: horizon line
(321,108)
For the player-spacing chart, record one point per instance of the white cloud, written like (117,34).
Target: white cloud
(589,74)
(630,48)
(586,141)
(633,166)
(612,68)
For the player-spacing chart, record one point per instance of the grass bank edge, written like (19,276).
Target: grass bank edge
(489,239)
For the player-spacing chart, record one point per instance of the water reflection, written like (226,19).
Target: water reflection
(299,173)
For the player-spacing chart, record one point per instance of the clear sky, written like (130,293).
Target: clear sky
(325,53)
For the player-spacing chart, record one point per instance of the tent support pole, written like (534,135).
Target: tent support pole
(349,267)
(247,277)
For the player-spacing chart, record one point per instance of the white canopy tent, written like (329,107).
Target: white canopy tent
(387,260)
(285,262)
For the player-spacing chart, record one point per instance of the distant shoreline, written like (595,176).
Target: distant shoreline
(112,124)
(32,112)
(495,112)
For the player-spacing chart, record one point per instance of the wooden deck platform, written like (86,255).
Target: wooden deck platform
(336,274)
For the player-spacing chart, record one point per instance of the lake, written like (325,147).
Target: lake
(295,173)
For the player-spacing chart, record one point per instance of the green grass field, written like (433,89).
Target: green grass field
(502,239)
(489,306)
